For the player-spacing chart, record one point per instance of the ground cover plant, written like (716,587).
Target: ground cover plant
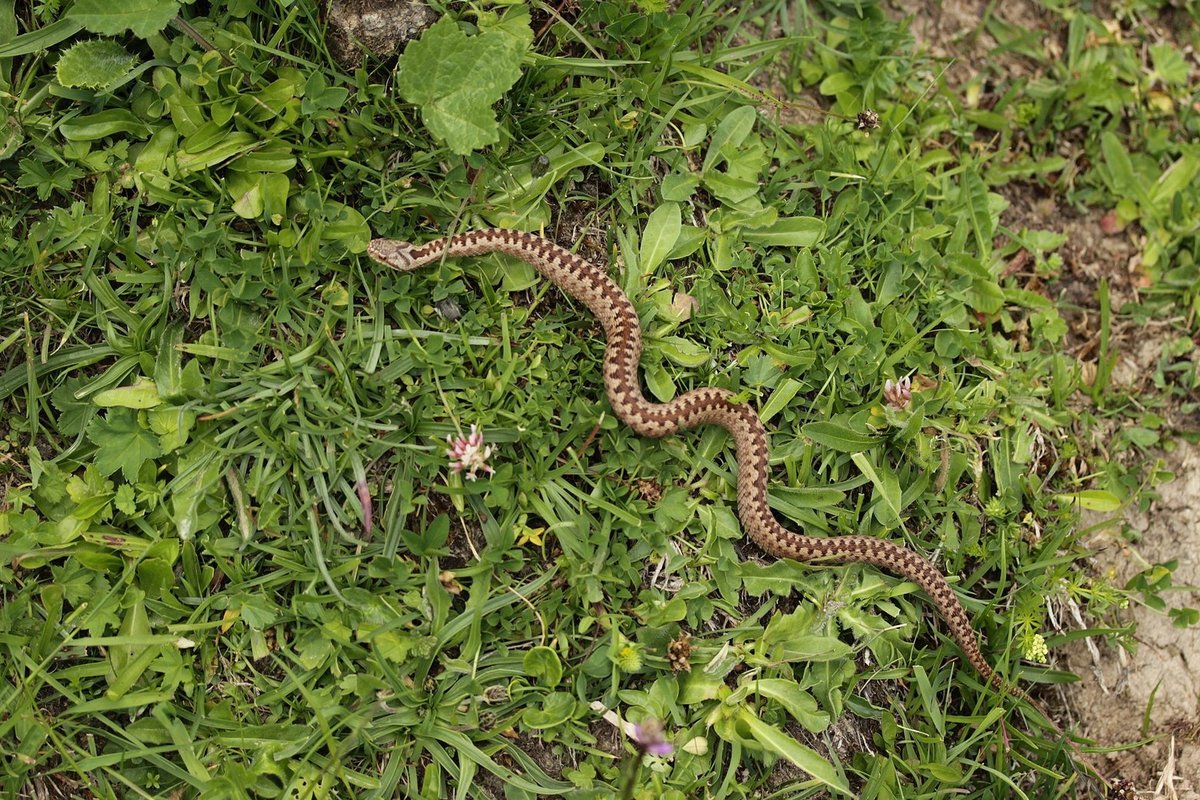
(238,560)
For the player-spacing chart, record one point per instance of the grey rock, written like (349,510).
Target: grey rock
(380,27)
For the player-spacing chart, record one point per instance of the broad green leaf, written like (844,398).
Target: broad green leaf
(95,64)
(127,662)
(789,232)
(246,192)
(689,241)
(948,774)
(275,190)
(429,541)
(837,83)
(121,443)
(104,123)
(347,225)
(973,196)
(732,131)
(778,577)
(683,352)
(91,493)
(141,394)
(780,398)
(790,500)
(658,381)
(232,145)
(792,637)
(1142,437)
(543,663)
(699,686)
(144,17)
(557,708)
(1092,499)
(197,476)
(155,576)
(1175,179)
(265,195)
(678,188)
(1123,180)
(837,436)
(658,240)
(806,649)
(168,365)
(312,648)
(456,79)
(11,136)
(125,501)
(268,103)
(807,759)
(393,646)
(172,424)
(275,156)
(799,703)
(729,189)
(513,274)
(156,153)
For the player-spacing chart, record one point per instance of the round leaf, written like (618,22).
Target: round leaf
(543,663)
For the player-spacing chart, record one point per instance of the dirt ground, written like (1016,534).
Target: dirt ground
(1150,694)
(1145,702)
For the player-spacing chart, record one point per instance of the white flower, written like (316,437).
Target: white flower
(898,393)
(468,454)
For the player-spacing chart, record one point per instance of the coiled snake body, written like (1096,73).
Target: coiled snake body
(592,287)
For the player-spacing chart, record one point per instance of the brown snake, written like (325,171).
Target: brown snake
(591,286)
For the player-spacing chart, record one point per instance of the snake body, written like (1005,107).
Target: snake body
(591,286)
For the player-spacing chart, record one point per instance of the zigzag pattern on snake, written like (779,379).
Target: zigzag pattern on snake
(591,286)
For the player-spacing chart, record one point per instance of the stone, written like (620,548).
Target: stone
(380,27)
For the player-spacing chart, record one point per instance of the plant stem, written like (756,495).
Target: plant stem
(631,776)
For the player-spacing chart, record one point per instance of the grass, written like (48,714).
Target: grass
(236,563)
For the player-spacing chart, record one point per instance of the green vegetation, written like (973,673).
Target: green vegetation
(236,563)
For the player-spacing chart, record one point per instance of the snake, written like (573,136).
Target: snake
(591,286)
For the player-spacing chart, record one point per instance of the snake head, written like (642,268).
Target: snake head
(392,252)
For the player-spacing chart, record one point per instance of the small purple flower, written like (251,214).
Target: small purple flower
(468,454)
(898,393)
(649,737)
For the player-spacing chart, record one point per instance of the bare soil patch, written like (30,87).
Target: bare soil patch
(1152,693)
(1148,699)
